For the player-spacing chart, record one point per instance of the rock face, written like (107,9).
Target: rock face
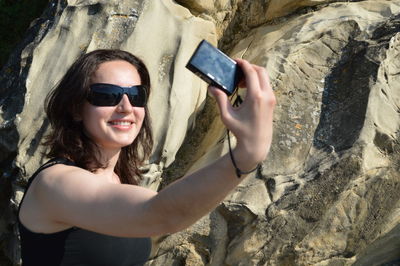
(328,194)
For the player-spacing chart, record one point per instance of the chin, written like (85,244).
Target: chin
(126,144)
(117,144)
(123,144)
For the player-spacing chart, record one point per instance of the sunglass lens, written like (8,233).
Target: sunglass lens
(137,96)
(104,98)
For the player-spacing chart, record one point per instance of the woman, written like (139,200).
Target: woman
(84,207)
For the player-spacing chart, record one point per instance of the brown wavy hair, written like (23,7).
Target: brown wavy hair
(64,104)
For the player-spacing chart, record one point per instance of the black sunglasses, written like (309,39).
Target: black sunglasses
(103,94)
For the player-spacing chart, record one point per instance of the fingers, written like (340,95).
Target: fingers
(250,74)
(223,102)
(256,77)
(258,88)
(257,82)
(263,77)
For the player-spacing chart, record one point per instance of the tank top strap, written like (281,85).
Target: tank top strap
(47,164)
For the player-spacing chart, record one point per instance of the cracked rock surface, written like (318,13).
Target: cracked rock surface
(328,194)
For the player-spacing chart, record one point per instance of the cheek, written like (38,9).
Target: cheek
(91,117)
(89,124)
(140,114)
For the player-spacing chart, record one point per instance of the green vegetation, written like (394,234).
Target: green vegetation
(15,18)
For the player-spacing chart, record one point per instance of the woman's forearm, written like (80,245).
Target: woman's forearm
(191,197)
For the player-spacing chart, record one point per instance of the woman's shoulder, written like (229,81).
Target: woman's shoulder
(60,173)
(45,192)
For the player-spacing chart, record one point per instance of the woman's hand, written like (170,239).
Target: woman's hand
(251,122)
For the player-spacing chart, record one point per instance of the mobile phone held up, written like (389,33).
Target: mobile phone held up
(215,67)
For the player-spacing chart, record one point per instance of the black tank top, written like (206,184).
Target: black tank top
(77,246)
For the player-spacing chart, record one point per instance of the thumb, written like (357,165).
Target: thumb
(222,100)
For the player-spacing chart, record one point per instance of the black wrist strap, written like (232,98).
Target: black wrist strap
(239,172)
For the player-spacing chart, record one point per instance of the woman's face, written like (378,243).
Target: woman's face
(114,126)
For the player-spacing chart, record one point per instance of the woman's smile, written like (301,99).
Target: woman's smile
(121,124)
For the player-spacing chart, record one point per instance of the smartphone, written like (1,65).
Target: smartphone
(215,67)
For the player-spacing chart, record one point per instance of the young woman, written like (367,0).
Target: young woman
(84,207)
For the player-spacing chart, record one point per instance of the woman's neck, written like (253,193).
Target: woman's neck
(109,159)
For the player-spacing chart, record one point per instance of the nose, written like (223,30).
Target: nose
(124,105)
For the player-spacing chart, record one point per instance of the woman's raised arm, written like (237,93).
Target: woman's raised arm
(195,195)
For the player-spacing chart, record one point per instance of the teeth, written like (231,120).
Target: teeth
(121,123)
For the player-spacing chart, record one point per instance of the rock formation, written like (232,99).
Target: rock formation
(328,194)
